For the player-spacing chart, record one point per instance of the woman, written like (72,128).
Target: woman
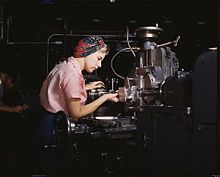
(64,88)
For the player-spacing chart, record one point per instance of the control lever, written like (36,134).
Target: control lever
(175,42)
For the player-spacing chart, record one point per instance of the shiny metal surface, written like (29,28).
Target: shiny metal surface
(148,31)
(153,65)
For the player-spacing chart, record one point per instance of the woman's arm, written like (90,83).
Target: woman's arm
(5,108)
(77,111)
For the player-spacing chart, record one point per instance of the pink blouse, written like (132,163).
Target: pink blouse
(65,81)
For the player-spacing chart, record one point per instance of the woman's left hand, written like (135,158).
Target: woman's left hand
(95,85)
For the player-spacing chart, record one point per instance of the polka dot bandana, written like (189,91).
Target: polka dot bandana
(88,46)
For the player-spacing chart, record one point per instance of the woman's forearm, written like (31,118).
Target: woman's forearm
(78,111)
(93,106)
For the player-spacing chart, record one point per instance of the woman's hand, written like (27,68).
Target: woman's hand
(112,97)
(95,85)
(16,109)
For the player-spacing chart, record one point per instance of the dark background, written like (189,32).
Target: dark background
(35,35)
(26,27)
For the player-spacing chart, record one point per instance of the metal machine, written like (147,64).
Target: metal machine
(154,66)
(156,95)
(154,81)
(160,95)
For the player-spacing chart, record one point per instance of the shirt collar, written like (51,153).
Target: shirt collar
(75,63)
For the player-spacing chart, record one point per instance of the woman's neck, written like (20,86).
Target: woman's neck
(81,62)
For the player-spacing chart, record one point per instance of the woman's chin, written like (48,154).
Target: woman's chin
(91,70)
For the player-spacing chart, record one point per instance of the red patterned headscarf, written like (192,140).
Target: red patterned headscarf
(88,46)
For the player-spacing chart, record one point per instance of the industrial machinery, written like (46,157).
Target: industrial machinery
(155,65)
(160,95)
(154,90)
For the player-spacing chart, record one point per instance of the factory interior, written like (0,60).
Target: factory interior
(163,62)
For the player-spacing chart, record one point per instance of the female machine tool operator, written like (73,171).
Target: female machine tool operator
(64,88)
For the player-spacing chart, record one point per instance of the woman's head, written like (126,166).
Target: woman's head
(93,50)
(88,46)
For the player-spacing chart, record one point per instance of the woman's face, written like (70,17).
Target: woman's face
(93,61)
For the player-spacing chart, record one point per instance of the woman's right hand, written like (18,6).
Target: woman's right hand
(112,97)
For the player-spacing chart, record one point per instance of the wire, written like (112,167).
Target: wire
(127,48)
(127,36)
(113,60)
